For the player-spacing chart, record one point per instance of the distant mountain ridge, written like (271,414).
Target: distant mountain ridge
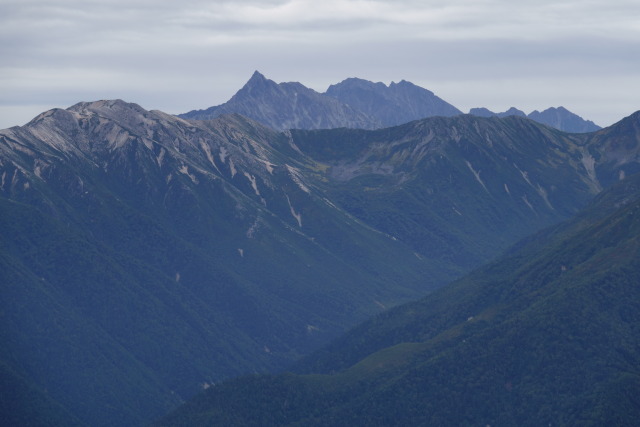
(392,105)
(353,103)
(357,103)
(559,118)
(286,106)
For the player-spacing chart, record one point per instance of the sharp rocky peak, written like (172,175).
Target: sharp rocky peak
(256,78)
(258,81)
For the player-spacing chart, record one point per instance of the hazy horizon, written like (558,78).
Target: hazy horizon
(194,54)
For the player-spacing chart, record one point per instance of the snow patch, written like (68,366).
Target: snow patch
(160,157)
(525,175)
(297,178)
(223,154)
(292,144)
(455,134)
(254,184)
(476,174)
(543,193)
(379,304)
(269,166)
(252,230)
(233,168)
(589,164)
(297,216)
(207,150)
(185,170)
(524,198)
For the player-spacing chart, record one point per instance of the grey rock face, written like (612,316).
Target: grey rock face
(360,104)
(559,118)
(353,103)
(287,106)
(482,112)
(394,104)
(563,119)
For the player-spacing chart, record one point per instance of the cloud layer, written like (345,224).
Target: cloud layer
(176,56)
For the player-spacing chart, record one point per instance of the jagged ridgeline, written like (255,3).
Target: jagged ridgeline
(358,103)
(144,256)
(546,335)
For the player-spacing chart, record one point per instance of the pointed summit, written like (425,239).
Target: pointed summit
(256,78)
(287,106)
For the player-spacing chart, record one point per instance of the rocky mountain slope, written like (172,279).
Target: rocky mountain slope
(353,103)
(457,189)
(545,335)
(392,105)
(144,256)
(359,104)
(287,106)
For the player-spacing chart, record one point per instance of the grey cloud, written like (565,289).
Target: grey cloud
(177,56)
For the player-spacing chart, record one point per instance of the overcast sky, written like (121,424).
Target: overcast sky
(179,55)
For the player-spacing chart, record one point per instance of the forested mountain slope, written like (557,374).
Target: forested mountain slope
(144,257)
(547,334)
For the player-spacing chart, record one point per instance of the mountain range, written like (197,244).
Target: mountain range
(559,118)
(545,335)
(145,257)
(358,103)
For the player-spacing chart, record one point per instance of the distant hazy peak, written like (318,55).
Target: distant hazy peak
(257,75)
(559,118)
(482,112)
(391,105)
(513,111)
(355,82)
(404,84)
(563,119)
(485,112)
